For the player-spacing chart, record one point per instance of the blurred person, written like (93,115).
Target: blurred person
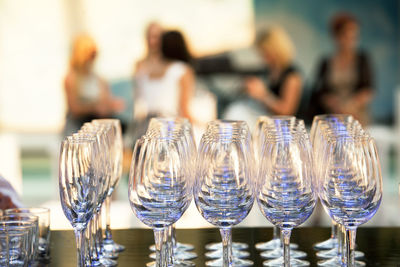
(281,94)
(344,81)
(164,79)
(8,196)
(88,95)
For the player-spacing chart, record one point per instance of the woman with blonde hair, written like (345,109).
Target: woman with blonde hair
(88,95)
(282,94)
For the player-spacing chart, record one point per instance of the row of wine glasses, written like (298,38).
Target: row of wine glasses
(349,184)
(160,184)
(280,167)
(89,170)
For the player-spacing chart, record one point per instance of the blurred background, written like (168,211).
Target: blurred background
(36,40)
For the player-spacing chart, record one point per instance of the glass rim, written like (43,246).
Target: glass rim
(30,210)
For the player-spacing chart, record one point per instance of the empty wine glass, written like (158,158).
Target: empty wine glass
(160,185)
(331,126)
(111,249)
(351,187)
(181,127)
(332,242)
(104,135)
(284,187)
(258,137)
(223,189)
(78,183)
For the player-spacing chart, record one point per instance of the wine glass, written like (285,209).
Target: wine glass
(332,242)
(105,138)
(223,188)
(351,187)
(160,185)
(161,126)
(332,126)
(274,248)
(110,248)
(78,183)
(284,187)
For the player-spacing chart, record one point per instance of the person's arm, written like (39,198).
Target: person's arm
(289,101)
(187,84)
(76,107)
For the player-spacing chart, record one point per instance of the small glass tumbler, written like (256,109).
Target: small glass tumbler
(16,251)
(43,215)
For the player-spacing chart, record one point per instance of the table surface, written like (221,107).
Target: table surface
(380,245)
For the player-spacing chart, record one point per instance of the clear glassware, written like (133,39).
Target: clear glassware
(160,186)
(263,122)
(79,184)
(223,191)
(4,248)
(17,251)
(104,136)
(332,242)
(332,126)
(43,215)
(284,185)
(111,249)
(167,126)
(351,187)
(30,222)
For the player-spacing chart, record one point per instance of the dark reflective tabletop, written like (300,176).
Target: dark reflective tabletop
(380,245)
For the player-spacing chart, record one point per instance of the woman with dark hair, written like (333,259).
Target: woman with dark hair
(344,82)
(165,89)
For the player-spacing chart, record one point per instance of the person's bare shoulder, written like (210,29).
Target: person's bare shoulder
(70,79)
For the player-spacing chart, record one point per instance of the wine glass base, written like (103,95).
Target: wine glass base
(179,247)
(177,263)
(181,256)
(280,262)
(107,262)
(236,263)
(272,244)
(277,253)
(183,247)
(217,254)
(327,244)
(336,261)
(111,247)
(328,254)
(235,245)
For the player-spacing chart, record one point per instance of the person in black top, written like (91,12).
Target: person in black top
(344,82)
(282,95)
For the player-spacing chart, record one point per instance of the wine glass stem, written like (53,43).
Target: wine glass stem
(226,234)
(99,232)
(275,232)
(80,245)
(334,230)
(350,247)
(286,246)
(173,236)
(170,245)
(160,251)
(341,245)
(108,235)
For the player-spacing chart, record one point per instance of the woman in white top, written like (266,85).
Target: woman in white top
(88,96)
(164,86)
